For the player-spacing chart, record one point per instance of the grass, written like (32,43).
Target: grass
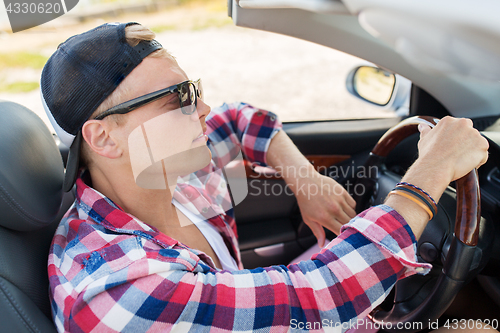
(195,15)
(217,6)
(194,23)
(212,23)
(161,28)
(187,15)
(197,2)
(19,87)
(22,59)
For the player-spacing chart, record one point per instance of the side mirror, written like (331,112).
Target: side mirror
(380,87)
(374,85)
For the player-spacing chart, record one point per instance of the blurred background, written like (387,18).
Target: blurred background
(298,80)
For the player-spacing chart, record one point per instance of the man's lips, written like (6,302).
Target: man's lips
(202,134)
(201,137)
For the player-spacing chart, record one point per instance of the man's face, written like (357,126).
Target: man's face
(162,141)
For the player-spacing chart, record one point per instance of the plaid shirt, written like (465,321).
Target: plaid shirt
(110,272)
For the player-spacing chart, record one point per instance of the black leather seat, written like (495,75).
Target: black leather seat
(31,206)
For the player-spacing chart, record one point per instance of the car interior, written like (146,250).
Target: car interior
(270,227)
(449,54)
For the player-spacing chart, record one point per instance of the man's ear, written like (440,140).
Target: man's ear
(99,137)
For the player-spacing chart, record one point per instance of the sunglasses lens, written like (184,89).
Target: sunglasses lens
(187,98)
(199,89)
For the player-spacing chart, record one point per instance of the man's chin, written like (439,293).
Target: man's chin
(178,165)
(195,159)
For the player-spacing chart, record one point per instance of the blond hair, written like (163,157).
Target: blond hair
(134,34)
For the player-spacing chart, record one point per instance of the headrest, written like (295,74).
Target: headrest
(31,170)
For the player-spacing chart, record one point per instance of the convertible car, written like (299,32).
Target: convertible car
(445,54)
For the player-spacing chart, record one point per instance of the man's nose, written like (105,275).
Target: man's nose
(202,109)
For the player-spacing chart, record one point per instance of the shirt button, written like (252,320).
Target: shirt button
(223,185)
(204,210)
(273,118)
(419,269)
(259,114)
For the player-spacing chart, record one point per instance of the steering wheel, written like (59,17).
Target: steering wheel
(463,245)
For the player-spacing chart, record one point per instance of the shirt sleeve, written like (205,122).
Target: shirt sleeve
(344,282)
(241,127)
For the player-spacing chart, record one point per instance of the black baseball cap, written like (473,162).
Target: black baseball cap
(80,75)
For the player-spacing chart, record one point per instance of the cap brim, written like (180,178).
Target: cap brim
(73,163)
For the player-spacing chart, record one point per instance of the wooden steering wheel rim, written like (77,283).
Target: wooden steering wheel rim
(467,187)
(461,253)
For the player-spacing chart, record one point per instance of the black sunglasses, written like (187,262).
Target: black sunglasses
(188,92)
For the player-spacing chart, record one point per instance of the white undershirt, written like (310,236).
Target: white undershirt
(212,236)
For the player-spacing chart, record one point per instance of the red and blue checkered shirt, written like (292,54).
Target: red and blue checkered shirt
(110,272)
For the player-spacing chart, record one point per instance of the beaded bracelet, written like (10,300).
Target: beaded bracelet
(417,195)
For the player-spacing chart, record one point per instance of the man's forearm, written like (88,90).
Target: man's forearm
(432,181)
(322,201)
(446,153)
(284,155)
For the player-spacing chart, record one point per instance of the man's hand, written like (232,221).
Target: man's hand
(446,153)
(453,145)
(323,203)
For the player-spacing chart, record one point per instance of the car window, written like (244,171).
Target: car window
(297,79)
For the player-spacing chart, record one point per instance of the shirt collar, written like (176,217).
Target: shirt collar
(92,204)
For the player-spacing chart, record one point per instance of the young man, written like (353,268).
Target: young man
(151,244)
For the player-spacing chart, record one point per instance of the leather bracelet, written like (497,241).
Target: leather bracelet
(415,200)
(417,195)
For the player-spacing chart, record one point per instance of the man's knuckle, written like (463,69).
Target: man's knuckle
(465,121)
(335,209)
(486,144)
(446,119)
